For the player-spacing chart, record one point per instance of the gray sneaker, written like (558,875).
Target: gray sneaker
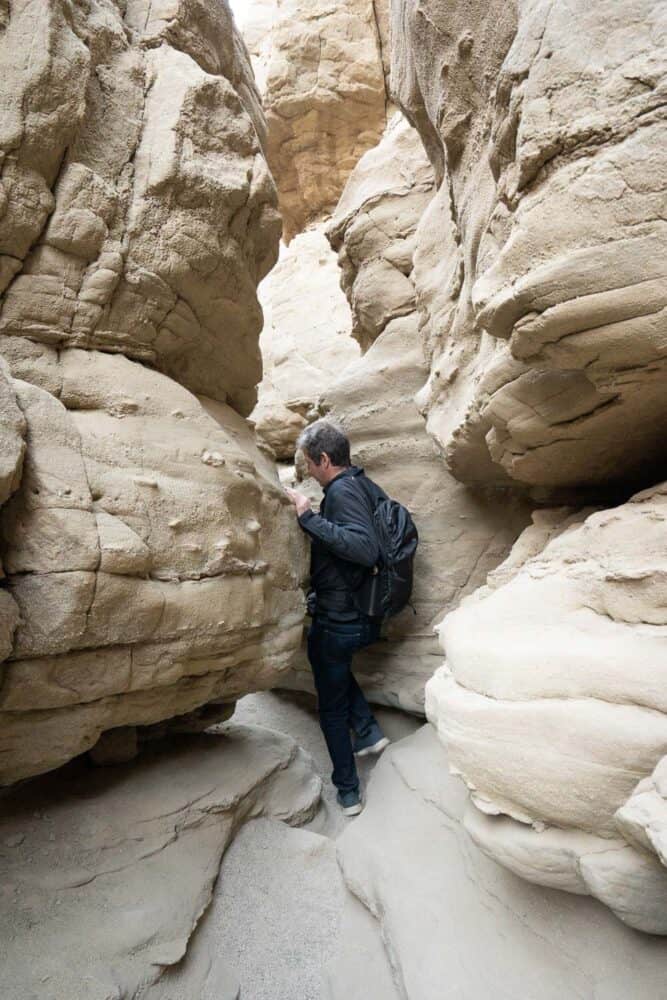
(375,742)
(350,803)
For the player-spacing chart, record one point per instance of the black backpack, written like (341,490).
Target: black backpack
(386,589)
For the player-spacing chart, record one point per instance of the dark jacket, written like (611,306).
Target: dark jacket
(344,546)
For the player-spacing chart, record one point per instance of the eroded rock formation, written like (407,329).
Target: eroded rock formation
(462,534)
(540,264)
(322,70)
(148,548)
(574,687)
(539,280)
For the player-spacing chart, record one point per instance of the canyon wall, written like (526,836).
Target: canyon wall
(306,340)
(322,71)
(463,532)
(540,264)
(151,561)
(540,284)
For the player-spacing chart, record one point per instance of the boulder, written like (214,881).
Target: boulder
(552,707)
(149,550)
(152,555)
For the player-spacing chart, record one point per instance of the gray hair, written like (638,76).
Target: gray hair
(324,437)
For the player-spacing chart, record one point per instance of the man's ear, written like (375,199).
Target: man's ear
(325,461)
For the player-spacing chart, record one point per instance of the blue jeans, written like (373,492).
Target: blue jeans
(342,706)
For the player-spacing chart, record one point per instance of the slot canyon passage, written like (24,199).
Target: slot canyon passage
(442,224)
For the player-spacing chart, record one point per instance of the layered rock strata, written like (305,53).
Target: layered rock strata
(540,264)
(149,550)
(539,278)
(463,534)
(322,68)
(575,687)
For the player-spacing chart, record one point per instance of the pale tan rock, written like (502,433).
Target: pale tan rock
(163,213)
(462,535)
(643,818)
(114,868)
(150,552)
(151,534)
(305,342)
(438,905)
(552,705)
(540,264)
(325,98)
(374,226)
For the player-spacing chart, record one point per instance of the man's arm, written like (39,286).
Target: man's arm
(348,530)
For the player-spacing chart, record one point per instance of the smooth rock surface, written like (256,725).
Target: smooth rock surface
(306,340)
(115,867)
(275,914)
(454,924)
(643,818)
(540,264)
(573,688)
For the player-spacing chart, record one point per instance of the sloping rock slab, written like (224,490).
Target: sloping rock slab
(105,875)
(454,924)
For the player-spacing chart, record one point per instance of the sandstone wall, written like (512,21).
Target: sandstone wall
(148,549)
(540,265)
(539,278)
(306,340)
(322,71)
(559,661)
(463,534)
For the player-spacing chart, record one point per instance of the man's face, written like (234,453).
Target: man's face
(321,471)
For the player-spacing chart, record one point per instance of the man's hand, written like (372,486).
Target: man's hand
(300,501)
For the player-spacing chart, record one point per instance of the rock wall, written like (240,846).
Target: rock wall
(150,553)
(322,70)
(540,264)
(574,688)
(305,342)
(539,278)
(463,534)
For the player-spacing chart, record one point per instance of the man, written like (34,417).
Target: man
(344,549)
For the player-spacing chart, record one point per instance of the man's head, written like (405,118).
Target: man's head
(326,450)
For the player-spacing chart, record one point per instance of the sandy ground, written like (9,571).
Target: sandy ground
(275,916)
